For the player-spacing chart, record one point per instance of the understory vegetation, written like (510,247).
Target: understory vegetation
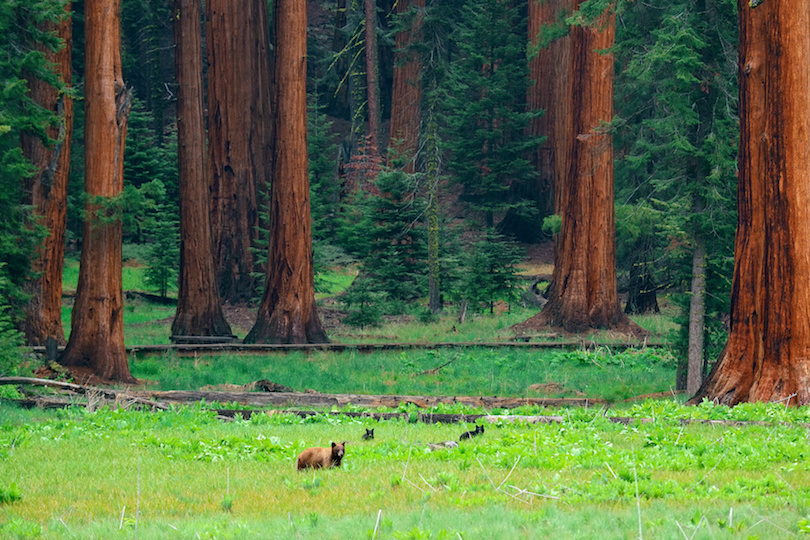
(184,473)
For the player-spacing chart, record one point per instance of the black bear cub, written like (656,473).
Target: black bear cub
(369,434)
(479,430)
(322,458)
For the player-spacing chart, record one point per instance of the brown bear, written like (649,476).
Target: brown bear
(322,458)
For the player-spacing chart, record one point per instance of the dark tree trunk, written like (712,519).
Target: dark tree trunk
(288,313)
(432,154)
(372,76)
(239,134)
(406,101)
(697,312)
(583,291)
(642,295)
(340,99)
(199,310)
(765,358)
(47,190)
(550,91)
(96,344)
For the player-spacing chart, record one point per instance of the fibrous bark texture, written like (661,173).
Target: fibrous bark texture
(199,310)
(96,344)
(47,191)
(239,134)
(583,290)
(406,100)
(766,357)
(288,313)
(550,91)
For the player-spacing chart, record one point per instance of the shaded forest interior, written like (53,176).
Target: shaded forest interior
(443,140)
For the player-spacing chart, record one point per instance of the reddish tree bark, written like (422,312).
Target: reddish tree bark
(406,100)
(765,358)
(583,291)
(239,134)
(288,313)
(550,90)
(96,344)
(47,190)
(199,309)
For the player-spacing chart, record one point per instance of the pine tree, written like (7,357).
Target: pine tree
(11,340)
(483,108)
(21,55)
(490,272)
(676,148)
(324,185)
(163,257)
(393,268)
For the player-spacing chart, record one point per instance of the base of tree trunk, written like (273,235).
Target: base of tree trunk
(641,303)
(545,320)
(87,376)
(284,327)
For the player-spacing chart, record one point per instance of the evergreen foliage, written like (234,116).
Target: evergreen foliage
(11,339)
(324,186)
(396,261)
(163,257)
(483,111)
(150,175)
(148,157)
(393,268)
(22,40)
(676,141)
(148,62)
(489,273)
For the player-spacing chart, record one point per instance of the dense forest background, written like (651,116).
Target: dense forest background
(449,216)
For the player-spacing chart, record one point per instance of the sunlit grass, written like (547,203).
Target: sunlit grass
(474,371)
(132,277)
(577,479)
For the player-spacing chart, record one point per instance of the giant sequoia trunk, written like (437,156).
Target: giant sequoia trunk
(406,101)
(96,345)
(199,311)
(239,132)
(583,291)
(47,190)
(550,91)
(288,313)
(765,358)
(550,80)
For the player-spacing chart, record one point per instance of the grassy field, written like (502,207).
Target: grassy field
(185,474)
(472,371)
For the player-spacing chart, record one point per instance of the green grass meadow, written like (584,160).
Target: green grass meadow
(471,371)
(184,474)
(109,472)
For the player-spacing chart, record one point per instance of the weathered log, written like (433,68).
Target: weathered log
(340,400)
(106,393)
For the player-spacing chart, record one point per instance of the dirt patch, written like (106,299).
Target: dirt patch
(243,317)
(552,388)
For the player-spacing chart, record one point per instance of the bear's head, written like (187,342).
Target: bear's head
(338,450)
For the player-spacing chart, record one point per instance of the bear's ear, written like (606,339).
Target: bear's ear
(333,445)
(345,442)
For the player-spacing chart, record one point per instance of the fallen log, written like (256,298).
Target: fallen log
(299,399)
(254,348)
(106,393)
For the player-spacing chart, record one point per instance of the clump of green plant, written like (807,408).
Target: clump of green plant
(490,273)
(11,339)
(10,493)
